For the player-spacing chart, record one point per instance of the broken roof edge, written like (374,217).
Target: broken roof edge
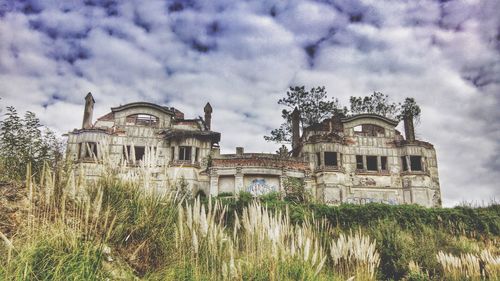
(93,130)
(371,116)
(179,133)
(164,109)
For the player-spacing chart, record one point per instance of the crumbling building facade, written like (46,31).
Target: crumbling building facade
(358,159)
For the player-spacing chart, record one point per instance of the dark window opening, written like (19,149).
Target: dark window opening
(416,163)
(137,154)
(197,154)
(371,163)
(404,163)
(318,158)
(359,162)
(185,153)
(88,150)
(172,153)
(383,163)
(330,158)
(369,130)
(142,120)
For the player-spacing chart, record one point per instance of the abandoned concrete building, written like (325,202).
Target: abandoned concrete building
(357,159)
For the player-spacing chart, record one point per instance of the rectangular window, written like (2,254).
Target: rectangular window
(416,163)
(330,158)
(359,162)
(185,153)
(172,153)
(371,163)
(197,155)
(88,150)
(404,163)
(137,154)
(318,158)
(383,163)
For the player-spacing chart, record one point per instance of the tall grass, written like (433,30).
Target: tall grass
(272,246)
(486,266)
(59,240)
(355,255)
(121,227)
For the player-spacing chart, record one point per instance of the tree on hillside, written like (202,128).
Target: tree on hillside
(22,141)
(377,103)
(313,105)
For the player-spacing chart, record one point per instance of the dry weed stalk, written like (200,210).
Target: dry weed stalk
(201,239)
(473,267)
(355,255)
(491,265)
(268,236)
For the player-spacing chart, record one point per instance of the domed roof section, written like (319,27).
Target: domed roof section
(164,109)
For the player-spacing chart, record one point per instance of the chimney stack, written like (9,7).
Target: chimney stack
(337,125)
(409,129)
(239,151)
(89,109)
(208,115)
(295,132)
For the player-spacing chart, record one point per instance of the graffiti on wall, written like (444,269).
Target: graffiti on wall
(260,187)
(362,200)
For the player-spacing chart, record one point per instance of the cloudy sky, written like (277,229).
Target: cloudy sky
(243,55)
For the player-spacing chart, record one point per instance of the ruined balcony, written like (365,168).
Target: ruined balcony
(372,173)
(184,163)
(329,168)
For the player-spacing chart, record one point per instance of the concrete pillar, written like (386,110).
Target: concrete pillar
(193,154)
(214,182)
(238,181)
(282,182)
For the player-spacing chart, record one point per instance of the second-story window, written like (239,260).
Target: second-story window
(331,159)
(134,152)
(359,162)
(416,163)
(185,153)
(88,150)
(404,163)
(371,163)
(383,163)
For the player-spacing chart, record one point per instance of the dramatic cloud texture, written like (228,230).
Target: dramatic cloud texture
(242,56)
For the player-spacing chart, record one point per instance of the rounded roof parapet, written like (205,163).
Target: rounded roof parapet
(370,116)
(164,109)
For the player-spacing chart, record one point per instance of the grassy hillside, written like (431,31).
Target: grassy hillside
(63,228)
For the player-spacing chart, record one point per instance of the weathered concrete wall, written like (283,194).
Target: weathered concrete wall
(213,173)
(345,183)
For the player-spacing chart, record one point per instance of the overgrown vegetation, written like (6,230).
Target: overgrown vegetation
(24,140)
(117,228)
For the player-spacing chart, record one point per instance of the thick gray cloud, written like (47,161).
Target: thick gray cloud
(242,56)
